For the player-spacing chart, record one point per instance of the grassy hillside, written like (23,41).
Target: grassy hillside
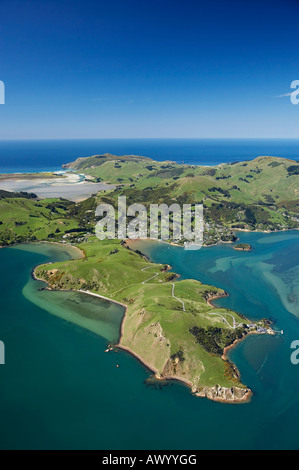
(111,168)
(262,194)
(23,219)
(128,169)
(264,180)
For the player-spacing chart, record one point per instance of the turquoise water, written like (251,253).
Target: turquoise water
(96,315)
(59,389)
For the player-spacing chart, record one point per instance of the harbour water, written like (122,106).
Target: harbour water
(59,389)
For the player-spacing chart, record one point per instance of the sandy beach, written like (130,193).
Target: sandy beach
(215,297)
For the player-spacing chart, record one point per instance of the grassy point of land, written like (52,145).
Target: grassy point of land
(177,343)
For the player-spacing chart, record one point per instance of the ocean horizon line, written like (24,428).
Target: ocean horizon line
(47,139)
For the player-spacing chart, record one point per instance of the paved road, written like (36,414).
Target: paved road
(182,302)
(172,291)
(221,315)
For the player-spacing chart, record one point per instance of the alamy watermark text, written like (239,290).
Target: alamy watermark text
(2,353)
(295,94)
(2,92)
(156,221)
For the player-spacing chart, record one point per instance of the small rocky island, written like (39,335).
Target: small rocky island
(243,247)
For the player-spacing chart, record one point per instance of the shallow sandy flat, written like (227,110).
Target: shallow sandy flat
(71,187)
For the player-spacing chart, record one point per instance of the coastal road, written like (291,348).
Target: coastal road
(172,292)
(234,320)
(156,274)
(172,283)
(181,301)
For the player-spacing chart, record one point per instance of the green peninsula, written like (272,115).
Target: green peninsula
(168,324)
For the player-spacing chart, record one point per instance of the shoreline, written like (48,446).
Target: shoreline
(265,231)
(220,242)
(73,247)
(215,297)
(62,245)
(153,240)
(231,346)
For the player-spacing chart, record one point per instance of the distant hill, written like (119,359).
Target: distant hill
(264,180)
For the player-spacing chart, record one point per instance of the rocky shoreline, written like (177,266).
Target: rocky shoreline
(224,394)
(243,247)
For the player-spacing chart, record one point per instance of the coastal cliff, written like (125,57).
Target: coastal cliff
(224,394)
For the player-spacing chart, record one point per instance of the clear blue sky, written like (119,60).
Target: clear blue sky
(148,68)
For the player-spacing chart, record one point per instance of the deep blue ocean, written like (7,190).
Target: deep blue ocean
(44,155)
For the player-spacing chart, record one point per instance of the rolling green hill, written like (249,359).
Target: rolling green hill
(23,219)
(261,194)
(264,180)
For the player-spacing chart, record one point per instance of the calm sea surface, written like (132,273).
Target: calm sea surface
(43,155)
(59,389)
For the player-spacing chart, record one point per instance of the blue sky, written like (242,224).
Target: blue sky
(148,68)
